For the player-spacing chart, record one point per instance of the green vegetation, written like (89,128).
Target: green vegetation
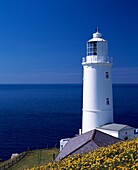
(34,158)
(120,156)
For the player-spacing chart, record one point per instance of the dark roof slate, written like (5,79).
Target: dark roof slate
(86,142)
(103,139)
(86,148)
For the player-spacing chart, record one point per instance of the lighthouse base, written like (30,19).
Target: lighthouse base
(94,119)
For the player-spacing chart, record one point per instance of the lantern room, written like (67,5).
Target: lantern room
(97,49)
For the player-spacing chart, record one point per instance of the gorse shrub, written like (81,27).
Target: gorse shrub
(120,156)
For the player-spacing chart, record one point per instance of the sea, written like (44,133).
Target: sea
(38,116)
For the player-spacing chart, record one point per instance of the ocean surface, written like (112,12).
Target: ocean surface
(38,116)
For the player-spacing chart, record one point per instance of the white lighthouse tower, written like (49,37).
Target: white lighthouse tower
(97,85)
(97,103)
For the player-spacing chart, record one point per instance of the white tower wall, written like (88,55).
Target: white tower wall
(97,85)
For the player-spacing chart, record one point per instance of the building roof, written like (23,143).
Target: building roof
(114,127)
(96,39)
(97,36)
(86,142)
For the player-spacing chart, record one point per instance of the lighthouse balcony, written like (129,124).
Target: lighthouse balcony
(97,59)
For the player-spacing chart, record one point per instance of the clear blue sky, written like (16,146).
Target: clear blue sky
(43,41)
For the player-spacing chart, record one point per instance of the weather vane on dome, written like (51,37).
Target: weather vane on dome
(97,29)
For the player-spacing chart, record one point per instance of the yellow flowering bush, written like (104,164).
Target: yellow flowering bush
(120,156)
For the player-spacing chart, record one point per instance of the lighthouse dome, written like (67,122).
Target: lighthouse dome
(97,35)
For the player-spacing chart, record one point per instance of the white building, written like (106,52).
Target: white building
(97,95)
(119,131)
(63,142)
(97,85)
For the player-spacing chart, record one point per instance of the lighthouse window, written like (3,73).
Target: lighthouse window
(107,75)
(107,101)
(92,48)
(136,131)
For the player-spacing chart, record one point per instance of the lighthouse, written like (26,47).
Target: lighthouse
(97,84)
(97,111)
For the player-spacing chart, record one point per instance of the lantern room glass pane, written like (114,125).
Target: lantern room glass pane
(91,48)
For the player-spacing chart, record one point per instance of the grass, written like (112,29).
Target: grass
(119,156)
(35,158)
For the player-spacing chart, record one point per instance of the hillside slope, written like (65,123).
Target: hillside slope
(33,158)
(122,155)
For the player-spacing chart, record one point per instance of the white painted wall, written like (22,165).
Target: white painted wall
(110,132)
(96,87)
(63,142)
(121,134)
(129,133)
